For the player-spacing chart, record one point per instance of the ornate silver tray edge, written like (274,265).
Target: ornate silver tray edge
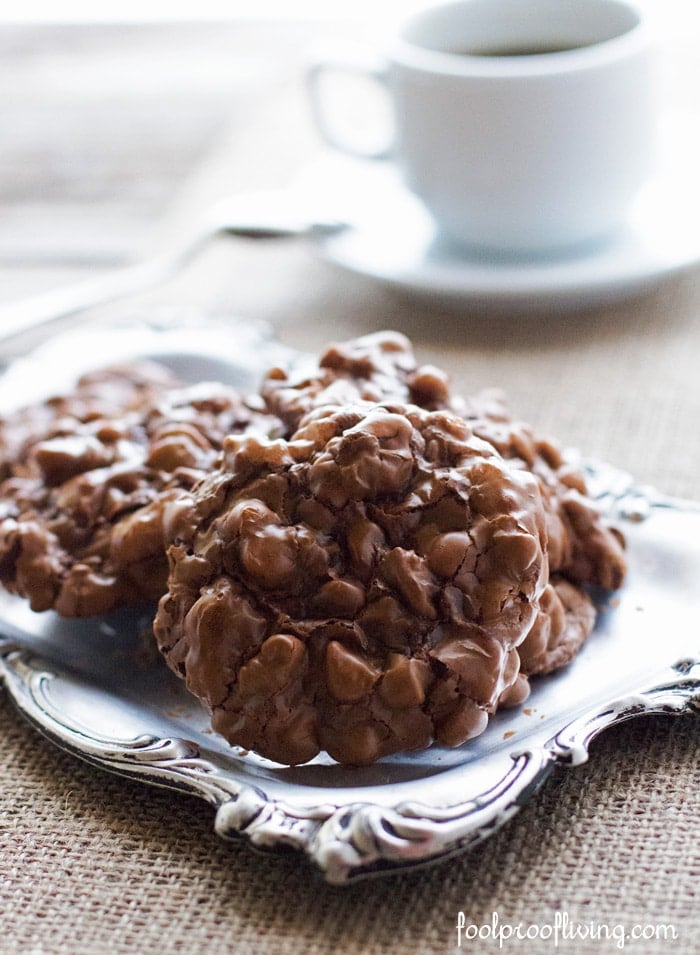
(349,841)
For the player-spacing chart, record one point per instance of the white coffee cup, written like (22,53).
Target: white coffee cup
(524,126)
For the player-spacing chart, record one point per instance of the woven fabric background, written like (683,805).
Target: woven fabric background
(96,864)
(92,864)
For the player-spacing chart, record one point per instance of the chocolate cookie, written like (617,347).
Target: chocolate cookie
(90,476)
(581,547)
(361,588)
(565,619)
(382,367)
(109,392)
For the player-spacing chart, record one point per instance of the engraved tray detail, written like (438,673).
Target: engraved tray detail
(352,839)
(99,690)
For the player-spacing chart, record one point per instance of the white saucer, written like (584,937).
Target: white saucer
(392,239)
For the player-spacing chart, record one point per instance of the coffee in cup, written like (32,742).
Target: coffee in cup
(524,126)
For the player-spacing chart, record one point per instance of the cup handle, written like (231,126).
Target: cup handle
(358,66)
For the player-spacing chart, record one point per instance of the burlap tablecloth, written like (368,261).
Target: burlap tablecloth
(92,863)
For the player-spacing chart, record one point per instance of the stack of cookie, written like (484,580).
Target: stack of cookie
(353,561)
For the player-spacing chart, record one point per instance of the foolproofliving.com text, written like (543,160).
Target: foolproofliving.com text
(561,929)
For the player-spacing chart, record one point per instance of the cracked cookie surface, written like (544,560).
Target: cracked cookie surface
(360,588)
(582,548)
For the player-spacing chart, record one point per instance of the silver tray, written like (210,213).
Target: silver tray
(98,689)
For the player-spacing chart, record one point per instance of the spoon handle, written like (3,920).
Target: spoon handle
(41,310)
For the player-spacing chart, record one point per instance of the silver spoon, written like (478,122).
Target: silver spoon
(259,216)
